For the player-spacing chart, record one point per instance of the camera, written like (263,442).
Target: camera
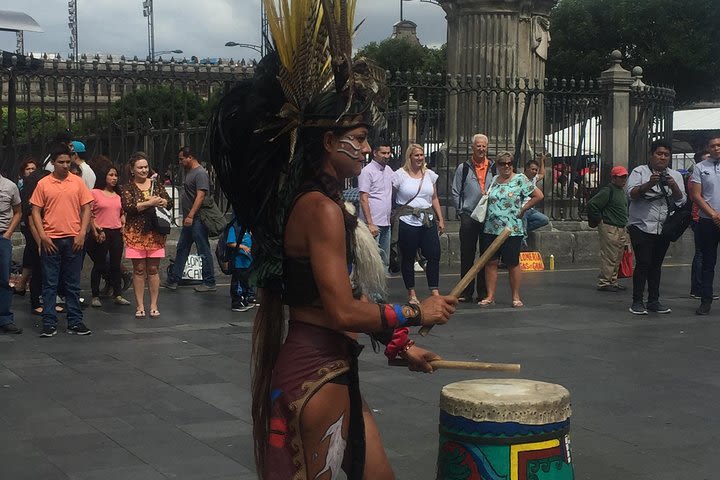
(663,178)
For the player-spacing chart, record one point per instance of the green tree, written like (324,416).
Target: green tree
(33,125)
(158,107)
(674,41)
(402,54)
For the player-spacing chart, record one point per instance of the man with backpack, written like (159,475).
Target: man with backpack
(195,188)
(608,211)
(472,180)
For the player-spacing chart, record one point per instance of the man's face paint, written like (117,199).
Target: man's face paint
(352,146)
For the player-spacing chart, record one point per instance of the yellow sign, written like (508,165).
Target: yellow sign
(531,261)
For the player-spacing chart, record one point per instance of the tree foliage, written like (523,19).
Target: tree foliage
(33,125)
(674,41)
(158,107)
(402,54)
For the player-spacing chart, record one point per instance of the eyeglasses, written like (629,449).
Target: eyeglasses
(505,164)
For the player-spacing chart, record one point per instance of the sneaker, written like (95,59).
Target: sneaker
(638,308)
(11,329)
(253,301)
(607,288)
(658,307)
(697,296)
(205,288)
(170,285)
(120,300)
(703,309)
(96,302)
(79,329)
(48,331)
(243,307)
(619,286)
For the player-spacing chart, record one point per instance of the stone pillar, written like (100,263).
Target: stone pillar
(408,126)
(495,42)
(615,138)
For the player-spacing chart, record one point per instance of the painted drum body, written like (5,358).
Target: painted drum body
(504,429)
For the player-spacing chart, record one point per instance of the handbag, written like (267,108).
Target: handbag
(625,270)
(480,211)
(677,221)
(394,255)
(161,220)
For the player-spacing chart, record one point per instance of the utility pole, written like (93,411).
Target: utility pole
(148,13)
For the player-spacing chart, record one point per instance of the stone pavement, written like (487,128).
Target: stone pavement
(169,399)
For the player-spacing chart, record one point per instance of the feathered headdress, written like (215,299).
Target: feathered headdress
(308,82)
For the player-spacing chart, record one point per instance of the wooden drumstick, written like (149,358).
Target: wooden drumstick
(477,266)
(461,365)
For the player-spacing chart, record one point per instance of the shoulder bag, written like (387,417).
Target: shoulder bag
(480,211)
(677,221)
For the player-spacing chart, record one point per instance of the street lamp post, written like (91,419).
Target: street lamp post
(73,25)
(148,13)
(251,46)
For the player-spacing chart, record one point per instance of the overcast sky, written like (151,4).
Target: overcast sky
(199,27)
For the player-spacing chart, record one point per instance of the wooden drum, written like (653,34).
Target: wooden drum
(504,429)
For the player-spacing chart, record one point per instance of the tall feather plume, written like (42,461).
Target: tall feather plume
(301,41)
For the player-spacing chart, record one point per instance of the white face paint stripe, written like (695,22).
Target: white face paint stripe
(336,449)
(355,154)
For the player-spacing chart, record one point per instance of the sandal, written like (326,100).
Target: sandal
(518,304)
(486,302)
(139,313)
(413,301)
(154,313)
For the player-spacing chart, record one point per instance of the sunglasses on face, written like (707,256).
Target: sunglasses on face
(505,164)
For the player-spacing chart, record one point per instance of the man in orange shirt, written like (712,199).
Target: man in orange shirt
(61,213)
(472,179)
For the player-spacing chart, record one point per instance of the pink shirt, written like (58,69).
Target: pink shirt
(106,210)
(376,181)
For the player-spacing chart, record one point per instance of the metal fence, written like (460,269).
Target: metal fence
(117,107)
(560,119)
(114,107)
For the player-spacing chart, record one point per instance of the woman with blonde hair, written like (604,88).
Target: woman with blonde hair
(420,219)
(143,246)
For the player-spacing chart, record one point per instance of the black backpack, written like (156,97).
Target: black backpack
(225,254)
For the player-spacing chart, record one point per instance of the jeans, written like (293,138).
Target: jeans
(198,234)
(697,263)
(650,250)
(70,263)
(240,289)
(383,240)
(411,238)
(6,293)
(709,235)
(533,220)
(470,241)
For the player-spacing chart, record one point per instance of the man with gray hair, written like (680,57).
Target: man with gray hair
(472,180)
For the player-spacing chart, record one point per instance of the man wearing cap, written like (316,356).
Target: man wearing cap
(608,209)
(78,158)
(78,155)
